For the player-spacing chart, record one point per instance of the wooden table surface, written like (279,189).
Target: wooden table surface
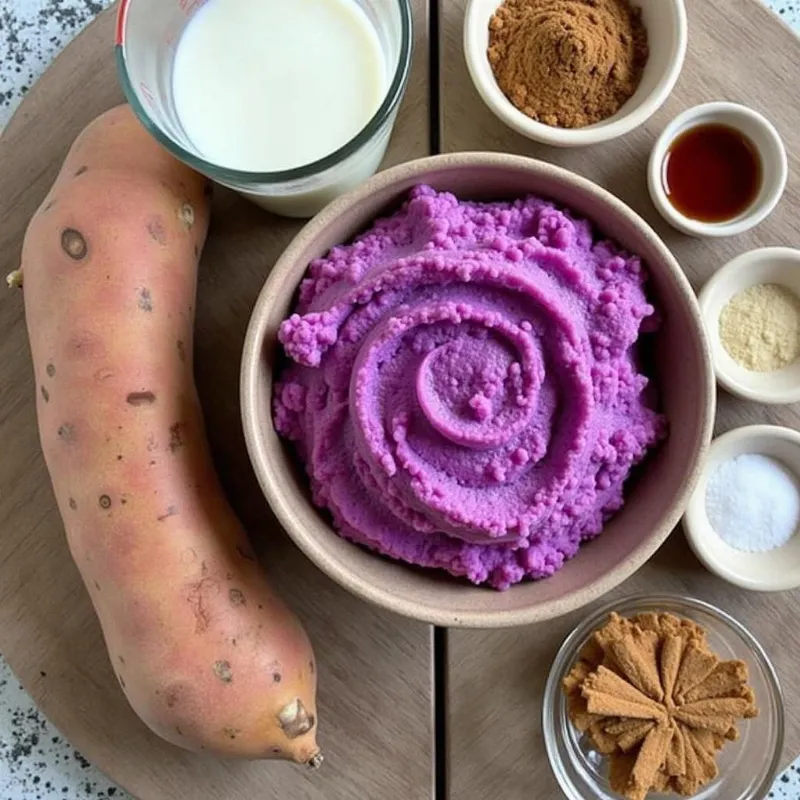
(377,704)
(737,52)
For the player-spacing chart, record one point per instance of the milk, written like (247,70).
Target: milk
(270,85)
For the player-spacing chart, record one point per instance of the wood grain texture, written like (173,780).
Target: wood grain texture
(738,51)
(375,669)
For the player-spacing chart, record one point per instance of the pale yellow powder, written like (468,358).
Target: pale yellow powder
(760,327)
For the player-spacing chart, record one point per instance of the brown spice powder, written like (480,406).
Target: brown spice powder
(568,63)
(652,696)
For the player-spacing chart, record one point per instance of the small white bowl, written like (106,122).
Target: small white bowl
(772,571)
(770,147)
(668,35)
(779,265)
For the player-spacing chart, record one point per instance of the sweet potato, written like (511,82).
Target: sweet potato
(205,652)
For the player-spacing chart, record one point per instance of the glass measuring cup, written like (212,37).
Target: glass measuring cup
(148,32)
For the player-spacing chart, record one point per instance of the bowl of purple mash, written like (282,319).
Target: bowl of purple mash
(477,390)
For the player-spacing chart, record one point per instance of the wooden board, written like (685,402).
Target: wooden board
(375,669)
(738,52)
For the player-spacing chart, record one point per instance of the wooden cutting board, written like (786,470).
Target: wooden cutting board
(738,51)
(375,669)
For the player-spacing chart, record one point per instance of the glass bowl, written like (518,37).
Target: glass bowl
(747,767)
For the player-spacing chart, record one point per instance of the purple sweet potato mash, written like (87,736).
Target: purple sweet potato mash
(464,388)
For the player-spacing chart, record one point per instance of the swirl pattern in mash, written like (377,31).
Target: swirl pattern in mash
(465,389)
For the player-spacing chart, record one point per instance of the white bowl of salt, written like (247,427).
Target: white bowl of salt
(743,521)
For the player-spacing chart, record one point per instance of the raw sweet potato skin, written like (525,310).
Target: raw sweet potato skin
(206,653)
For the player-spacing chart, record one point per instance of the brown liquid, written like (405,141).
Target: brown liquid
(712,173)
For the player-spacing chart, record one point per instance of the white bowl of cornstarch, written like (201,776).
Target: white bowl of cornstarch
(743,521)
(751,310)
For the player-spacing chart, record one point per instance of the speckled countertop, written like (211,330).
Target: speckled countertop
(36,762)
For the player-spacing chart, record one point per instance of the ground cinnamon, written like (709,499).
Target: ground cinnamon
(568,63)
(651,696)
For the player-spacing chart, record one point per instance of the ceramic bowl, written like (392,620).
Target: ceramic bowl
(759,130)
(654,506)
(773,571)
(747,766)
(779,265)
(668,37)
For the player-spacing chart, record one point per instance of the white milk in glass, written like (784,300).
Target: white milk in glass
(270,85)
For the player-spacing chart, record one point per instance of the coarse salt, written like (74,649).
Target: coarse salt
(753,503)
